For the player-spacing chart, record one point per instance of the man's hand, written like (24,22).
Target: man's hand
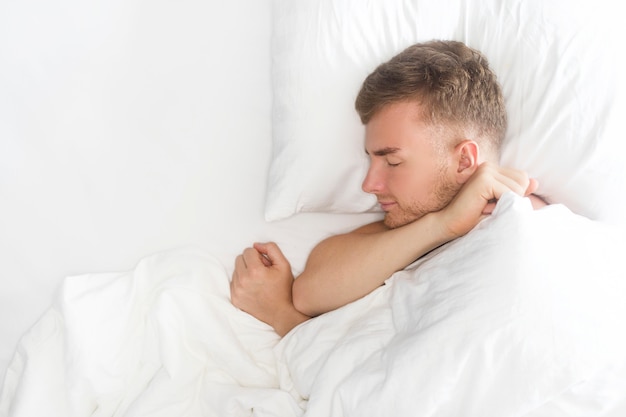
(479,195)
(261,286)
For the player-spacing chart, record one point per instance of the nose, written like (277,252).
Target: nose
(372,183)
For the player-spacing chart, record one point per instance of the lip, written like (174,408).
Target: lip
(386,205)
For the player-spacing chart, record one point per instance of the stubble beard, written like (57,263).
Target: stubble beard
(443,193)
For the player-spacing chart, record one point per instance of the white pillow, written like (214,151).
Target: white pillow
(556,61)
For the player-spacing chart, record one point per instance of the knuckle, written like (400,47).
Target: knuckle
(255,274)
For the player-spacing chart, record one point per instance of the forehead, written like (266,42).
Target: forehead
(397,127)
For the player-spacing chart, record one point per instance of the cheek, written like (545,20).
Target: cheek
(415,185)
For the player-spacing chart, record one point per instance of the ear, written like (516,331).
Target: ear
(466,154)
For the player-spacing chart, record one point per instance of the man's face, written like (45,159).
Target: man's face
(407,174)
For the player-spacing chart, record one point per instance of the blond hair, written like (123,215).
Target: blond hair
(453,84)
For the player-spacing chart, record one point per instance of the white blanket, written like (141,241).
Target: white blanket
(523,316)
(161,340)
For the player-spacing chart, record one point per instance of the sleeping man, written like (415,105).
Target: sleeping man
(434,117)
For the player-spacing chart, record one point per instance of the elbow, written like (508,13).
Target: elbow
(302,298)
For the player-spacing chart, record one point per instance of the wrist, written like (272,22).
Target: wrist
(439,227)
(288,318)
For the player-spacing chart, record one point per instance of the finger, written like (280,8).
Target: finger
(240,264)
(516,180)
(271,252)
(519,182)
(262,249)
(266,260)
(493,181)
(234,282)
(252,258)
(489,208)
(533,185)
(512,180)
(233,287)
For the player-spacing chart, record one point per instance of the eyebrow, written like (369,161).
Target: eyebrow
(384,151)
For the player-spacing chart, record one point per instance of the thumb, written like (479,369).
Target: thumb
(533,184)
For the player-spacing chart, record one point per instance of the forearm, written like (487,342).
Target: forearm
(287,320)
(346,267)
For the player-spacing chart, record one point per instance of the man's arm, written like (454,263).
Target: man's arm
(346,267)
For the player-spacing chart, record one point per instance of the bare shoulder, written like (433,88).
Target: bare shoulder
(345,239)
(332,245)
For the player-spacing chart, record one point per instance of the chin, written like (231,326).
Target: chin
(393,222)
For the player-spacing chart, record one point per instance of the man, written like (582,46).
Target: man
(434,117)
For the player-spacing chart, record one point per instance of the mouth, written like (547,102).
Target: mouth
(386,205)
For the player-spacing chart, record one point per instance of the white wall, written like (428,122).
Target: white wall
(126,127)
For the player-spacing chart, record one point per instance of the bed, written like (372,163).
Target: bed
(144,145)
